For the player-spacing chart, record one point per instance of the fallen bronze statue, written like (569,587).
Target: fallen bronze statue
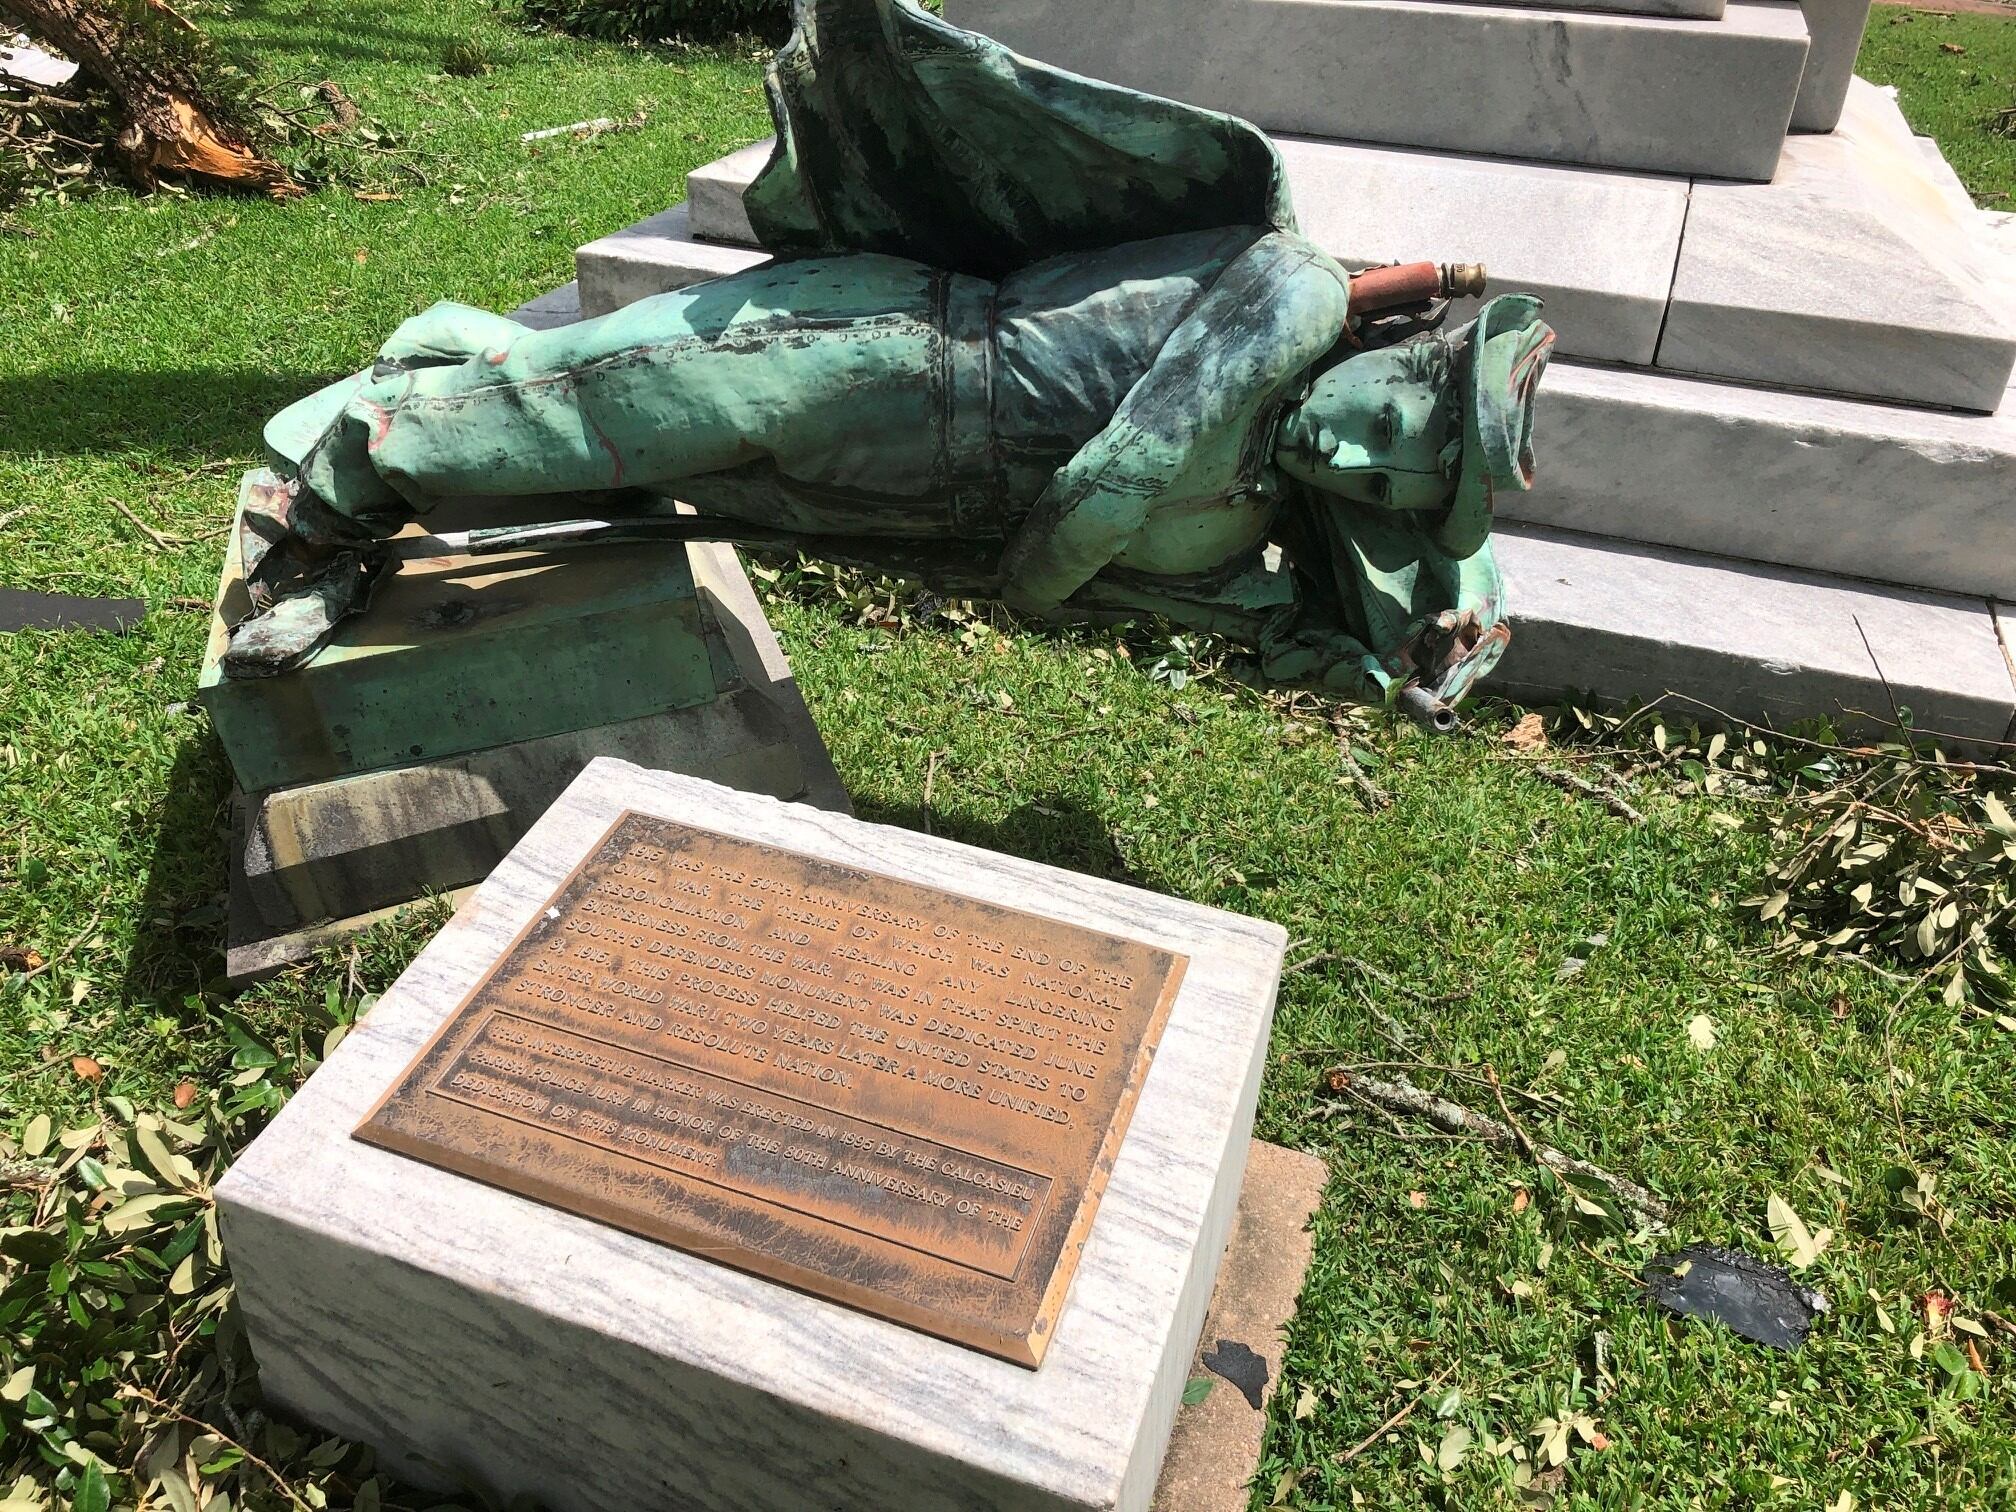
(1026,336)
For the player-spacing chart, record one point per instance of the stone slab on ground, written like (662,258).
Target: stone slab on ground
(313,862)
(1851,272)
(1575,86)
(1834,28)
(1597,245)
(1762,644)
(1216,1445)
(654,255)
(1900,495)
(465,1330)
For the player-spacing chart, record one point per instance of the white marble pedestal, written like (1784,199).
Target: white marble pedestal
(473,1335)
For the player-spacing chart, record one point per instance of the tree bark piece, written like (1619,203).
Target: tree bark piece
(166,125)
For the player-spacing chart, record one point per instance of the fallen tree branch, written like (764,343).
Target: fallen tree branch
(1404,1096)
(1610,798)
(160,538)
(1394,1421)
(1375,796)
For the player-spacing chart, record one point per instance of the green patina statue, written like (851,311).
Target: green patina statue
(1026,335)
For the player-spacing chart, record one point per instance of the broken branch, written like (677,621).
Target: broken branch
(1404,1096)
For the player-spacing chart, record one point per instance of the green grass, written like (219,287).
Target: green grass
(1954,73)
(146,340)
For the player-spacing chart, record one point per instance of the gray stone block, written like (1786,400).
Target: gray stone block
(648,258)
(1922,497)
(1597,245)
(1852,272)
(1693,10)
(1575,86)
(1763,644)
(1835,27)
(465,1330)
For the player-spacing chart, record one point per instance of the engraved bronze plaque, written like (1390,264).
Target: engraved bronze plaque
(887,1094)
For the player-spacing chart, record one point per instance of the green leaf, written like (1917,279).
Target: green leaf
(1198,1389)
(35,1138)
(143,1212)
(18,1384)
(32,1246)
(93,1494)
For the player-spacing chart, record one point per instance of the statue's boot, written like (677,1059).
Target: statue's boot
(295,622)
(306,571)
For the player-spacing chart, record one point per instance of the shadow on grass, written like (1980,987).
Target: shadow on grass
(1058,832)
(178,931)
(204,413)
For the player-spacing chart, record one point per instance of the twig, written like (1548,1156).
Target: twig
(15,1174)
(930,781)
(1862,752)
(161,539)
(1394,1421)
(1458,1119)
(63,954)
(273,1475)
(1896,712)
(1608,797)
(1375,796)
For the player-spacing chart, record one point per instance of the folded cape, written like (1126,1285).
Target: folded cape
(902,134)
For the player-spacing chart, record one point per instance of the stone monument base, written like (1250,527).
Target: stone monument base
(471,1334)
(409,755)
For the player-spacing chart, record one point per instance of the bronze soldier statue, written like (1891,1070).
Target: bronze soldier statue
(1026,335)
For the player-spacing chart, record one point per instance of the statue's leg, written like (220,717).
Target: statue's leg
(794,357)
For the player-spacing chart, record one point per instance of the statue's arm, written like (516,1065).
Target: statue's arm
(1276,309)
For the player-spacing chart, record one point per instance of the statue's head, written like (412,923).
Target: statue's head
(1434,424)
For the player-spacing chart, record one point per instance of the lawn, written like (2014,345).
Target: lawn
(1956,77)
(1484,918)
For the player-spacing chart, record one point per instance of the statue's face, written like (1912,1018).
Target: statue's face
(1380,428)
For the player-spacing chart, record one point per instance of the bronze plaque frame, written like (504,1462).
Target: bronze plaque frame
(887,1094)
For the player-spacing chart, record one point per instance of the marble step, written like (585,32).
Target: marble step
(1912,496)
(1860,269)
(1624,621)
(1891,295)
(1693,10)
(1668,94)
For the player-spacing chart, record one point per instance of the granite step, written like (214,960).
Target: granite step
(1620,621)
(1693,10)
(1897,495)
(1893,294)
(1667,94)
(1858,269)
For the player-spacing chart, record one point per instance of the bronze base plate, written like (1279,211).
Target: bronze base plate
(883,1093)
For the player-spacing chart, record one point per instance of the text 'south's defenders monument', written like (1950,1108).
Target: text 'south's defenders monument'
(890,1095)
